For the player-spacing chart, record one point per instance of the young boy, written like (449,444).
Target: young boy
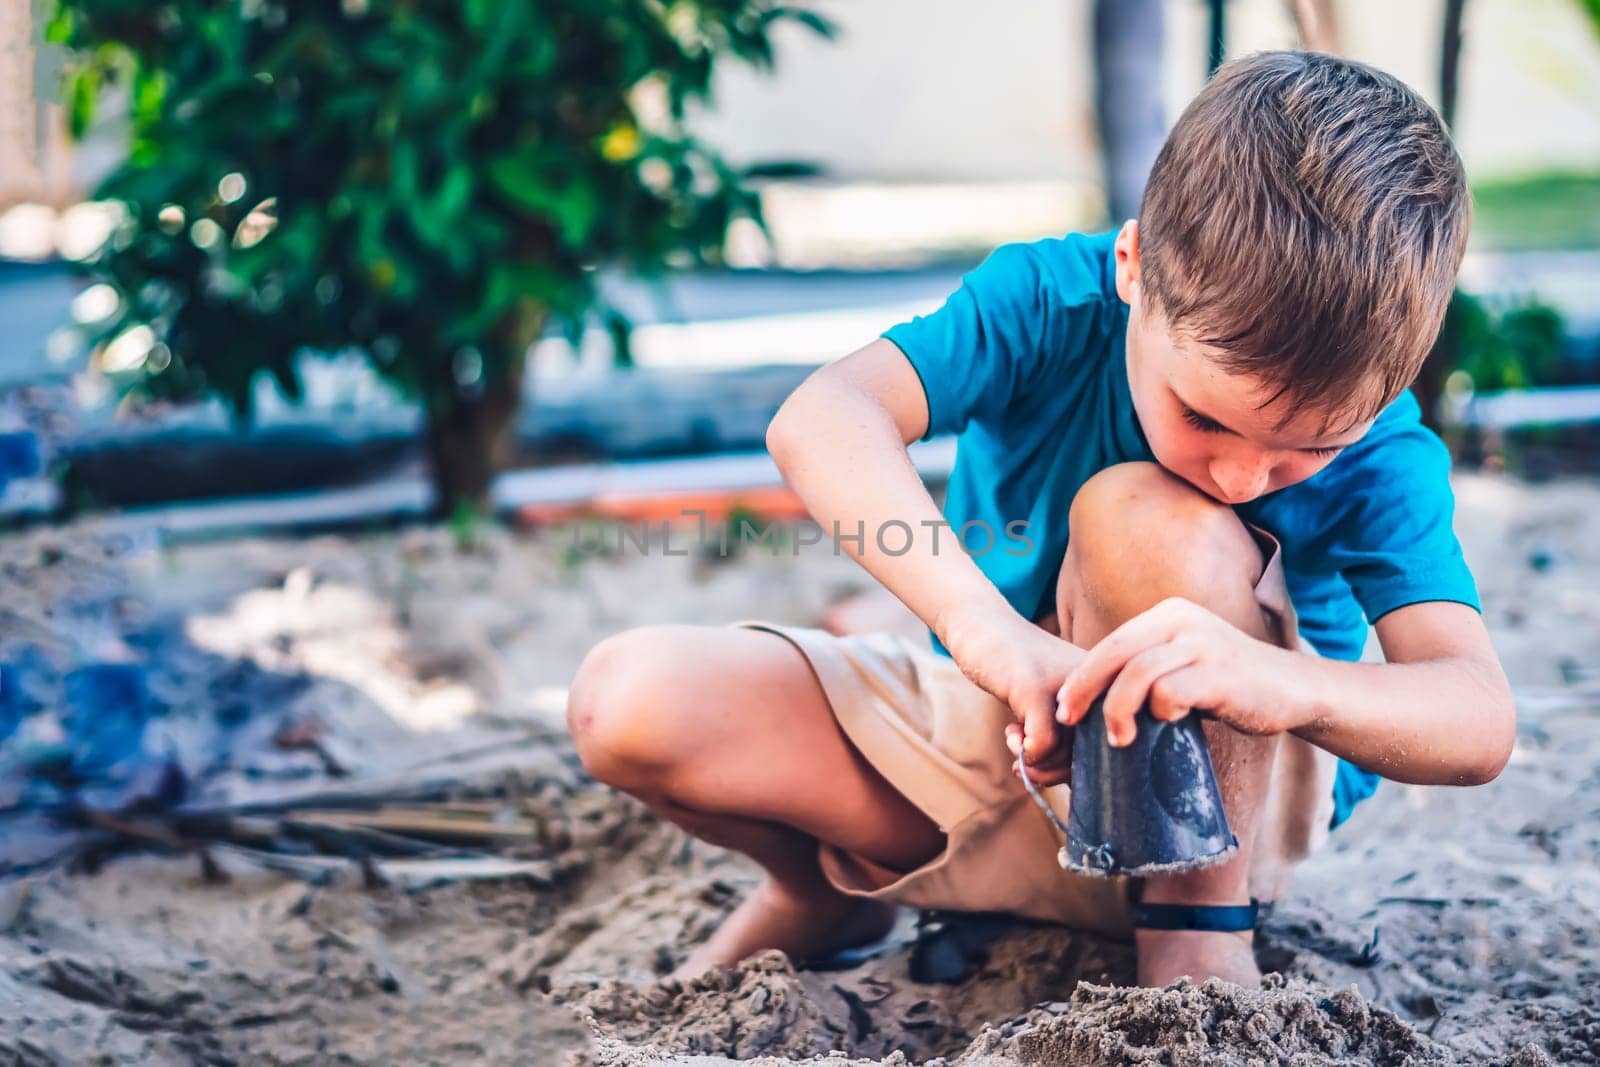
(1188,474)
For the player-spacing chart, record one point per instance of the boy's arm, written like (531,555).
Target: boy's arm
(840,440)
(1440,712)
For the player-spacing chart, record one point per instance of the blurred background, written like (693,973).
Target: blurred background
(888,147)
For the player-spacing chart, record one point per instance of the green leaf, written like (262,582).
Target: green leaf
(148,94)
(819,25)
(1591,8)
(573,205)
(58,30)
(80,109)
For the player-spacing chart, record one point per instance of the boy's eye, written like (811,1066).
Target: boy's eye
(1205,424)
(1201,422)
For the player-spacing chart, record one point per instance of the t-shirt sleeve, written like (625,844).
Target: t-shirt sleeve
(995,339)
(1393,539)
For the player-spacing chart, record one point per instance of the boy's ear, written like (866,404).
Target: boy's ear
(1127,253)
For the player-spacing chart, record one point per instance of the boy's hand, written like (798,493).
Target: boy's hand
(1023,665)
(1181,657)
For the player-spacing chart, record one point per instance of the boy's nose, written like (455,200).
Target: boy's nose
(1241,482)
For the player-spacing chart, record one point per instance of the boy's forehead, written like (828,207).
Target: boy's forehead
(1256,406)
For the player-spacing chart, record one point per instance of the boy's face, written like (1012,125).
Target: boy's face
(1206,425)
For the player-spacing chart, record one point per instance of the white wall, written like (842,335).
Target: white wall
(946,90)
(957,90)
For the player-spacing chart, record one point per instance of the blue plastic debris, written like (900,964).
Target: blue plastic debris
(105,712)
(10,700)
(20,455)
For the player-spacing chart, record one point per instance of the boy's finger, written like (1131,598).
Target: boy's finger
(1120,727)
(1046,776)
(1059,755)
(1130,689)
(1091,677)
(1178,693)
(1038,730)
(1057,760)
(1088,681)
(1168,710)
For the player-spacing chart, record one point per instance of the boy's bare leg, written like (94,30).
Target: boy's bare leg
(726,732)
(1139,536)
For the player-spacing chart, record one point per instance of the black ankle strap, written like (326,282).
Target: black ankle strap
(1212,918)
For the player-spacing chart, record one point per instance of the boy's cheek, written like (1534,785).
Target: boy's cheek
(1170,440)
(1177,459)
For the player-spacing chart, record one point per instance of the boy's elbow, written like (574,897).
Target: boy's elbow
(1486,770)
(1500,738)
(788,428)
(778,433)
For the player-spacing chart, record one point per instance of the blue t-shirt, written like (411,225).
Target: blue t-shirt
(1026,363)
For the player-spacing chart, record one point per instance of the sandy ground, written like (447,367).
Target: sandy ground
(1439,926)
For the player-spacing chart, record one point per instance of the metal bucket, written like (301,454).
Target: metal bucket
(1153,807)
(1149,808)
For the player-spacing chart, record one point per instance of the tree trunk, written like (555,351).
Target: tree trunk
(1128,42)
(1446,352)
(469,438)
(1217,44)
(1450,60)
(1318,25)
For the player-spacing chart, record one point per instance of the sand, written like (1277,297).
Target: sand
(1440,926)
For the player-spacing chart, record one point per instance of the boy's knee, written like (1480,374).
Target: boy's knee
(1139,528)
(614,706)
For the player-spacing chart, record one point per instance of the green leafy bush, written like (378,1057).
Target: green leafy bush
(1495,345)
(427,181)
(1516,347)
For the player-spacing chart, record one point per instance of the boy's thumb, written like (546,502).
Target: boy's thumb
(1039,729)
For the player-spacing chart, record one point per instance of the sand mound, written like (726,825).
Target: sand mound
(756,1009)
(1214,1024)
(762,1011)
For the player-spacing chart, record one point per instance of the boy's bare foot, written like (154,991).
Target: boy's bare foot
(804,927)
(1167,955)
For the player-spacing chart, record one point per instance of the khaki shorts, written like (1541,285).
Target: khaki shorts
(940,741)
